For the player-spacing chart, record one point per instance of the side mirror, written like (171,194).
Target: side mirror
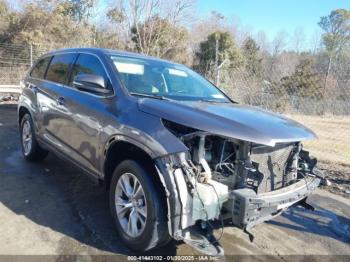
(91,83)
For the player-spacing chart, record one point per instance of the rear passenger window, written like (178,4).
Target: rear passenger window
(59,68)
(88,64)
(40,68)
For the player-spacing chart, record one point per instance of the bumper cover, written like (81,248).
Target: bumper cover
(250,209)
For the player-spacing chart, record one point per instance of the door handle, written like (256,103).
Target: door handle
(60,101)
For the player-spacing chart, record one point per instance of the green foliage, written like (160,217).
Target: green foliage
(227,51)
(115,15)
(3,18)
(253,60)
(40,23)
(77,10)
(108,39)
(304,82)
(3,8)
(336,28)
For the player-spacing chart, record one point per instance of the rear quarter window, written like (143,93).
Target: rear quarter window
(59,67)
(40,68)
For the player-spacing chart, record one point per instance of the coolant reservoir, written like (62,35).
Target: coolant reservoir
(206,203)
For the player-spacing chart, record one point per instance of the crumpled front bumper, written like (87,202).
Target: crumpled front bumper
(250,209)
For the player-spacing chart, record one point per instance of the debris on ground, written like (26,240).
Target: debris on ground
(9,98)
(339,177)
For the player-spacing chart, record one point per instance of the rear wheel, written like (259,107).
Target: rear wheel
(30,148)
(137,207)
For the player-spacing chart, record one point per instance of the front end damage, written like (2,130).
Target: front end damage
(233,181)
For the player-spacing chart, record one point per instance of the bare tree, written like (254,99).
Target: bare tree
(315,41)
(201,28)
(279,43)
(144,20)
(262,41)
(298,39)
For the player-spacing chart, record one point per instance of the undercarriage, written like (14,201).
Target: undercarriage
(233,181)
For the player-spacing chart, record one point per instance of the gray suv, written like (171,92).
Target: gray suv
(178,157)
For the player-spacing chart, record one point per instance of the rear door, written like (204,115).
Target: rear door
(32,88)
(51,99)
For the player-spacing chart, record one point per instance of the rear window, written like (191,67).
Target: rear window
(59,68)
(40,68)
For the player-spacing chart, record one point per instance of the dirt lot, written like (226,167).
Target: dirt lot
(51,208)
(332,149)
(332,145)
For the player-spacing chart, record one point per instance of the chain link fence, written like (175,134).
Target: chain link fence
(15,61)
(324,110)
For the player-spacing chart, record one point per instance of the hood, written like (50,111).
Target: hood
(230,120)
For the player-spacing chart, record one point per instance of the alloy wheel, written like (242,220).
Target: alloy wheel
(27,137)
(130,203)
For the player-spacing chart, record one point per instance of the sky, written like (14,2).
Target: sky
(273,16)
(270,16)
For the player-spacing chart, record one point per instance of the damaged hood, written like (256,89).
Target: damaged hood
(230,120)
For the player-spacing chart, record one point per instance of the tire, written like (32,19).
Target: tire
(154,232)
(31,149)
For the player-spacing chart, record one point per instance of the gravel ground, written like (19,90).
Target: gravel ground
(339,176)
(51,208)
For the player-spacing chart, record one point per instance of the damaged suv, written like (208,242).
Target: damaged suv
(174,152)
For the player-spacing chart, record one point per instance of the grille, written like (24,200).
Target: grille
(272,162)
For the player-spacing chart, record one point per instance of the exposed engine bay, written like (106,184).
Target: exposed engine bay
(222,178)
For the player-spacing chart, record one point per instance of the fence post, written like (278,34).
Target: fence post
(31,55)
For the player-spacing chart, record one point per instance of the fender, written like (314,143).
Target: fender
(165,174)
(27,103)
(123,138)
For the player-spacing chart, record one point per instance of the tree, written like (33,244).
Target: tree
(77,10)
(336,36)
(48,23)
(228,52)
(146,21)
(298,39)
(250,51)
(106,37)
(304,82)
(4,12)
(279,43)
(273,60)
(3,8)
(166,41)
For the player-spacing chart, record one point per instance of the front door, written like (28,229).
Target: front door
(84,114)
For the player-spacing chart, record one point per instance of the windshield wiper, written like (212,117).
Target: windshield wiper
(150,96)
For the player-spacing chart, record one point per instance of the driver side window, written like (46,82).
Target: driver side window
(88,64)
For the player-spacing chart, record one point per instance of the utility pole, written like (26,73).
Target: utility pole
(217,66)
(31,55)
(217,80)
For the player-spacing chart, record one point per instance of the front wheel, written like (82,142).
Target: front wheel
(137,207)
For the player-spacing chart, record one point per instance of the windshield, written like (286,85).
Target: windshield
(164,80)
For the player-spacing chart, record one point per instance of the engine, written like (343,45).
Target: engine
(240,164)
(226,178)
